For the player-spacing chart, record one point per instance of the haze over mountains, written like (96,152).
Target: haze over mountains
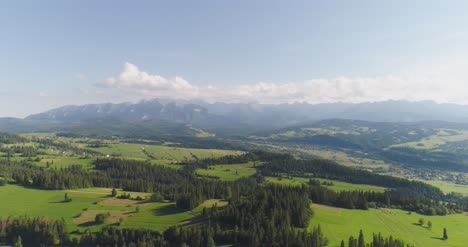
(197,112)
(231,117)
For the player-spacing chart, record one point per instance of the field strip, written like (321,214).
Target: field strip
(327,208)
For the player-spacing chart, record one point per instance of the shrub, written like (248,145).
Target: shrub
(101,218)
(157,197)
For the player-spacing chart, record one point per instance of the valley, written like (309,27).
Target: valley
(346,175)
(338,223)
(150,211)
(233,123)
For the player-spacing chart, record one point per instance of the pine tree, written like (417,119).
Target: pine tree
(445,234)
(19,242)
(67,198)
(342,243)
(228,193)
(209,240)
(351,242)
(429,225)
(421,222)
(361,239)
(114,192)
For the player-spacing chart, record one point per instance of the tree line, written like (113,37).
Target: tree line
(24,231)
(257,213)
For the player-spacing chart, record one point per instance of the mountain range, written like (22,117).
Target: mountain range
(198,112)
(230,118)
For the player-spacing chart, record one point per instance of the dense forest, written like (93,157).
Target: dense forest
(190,190)
(406,144)
(33,232)
(257,213)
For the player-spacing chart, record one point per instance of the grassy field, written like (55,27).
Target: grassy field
(344,159)
(18,201)
(337,185)
(58,162)
(448,187)
(161,216)
(228,172)
(86,203)
(160,153)
(435,141)
(65,152)
(303,132)
(338,224)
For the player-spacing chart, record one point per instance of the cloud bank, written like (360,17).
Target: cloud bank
(440,84)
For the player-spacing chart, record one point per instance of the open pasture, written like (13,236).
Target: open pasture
(338,224)
(160,153)
(228,172)
(435,141)
(86,203)
(337,185)
(57,162)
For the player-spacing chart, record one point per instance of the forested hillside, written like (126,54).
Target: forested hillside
(252,211)
(434,145)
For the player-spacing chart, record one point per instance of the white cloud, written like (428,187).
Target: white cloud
(132,78)
(439,83)
(43,94)
(81,77)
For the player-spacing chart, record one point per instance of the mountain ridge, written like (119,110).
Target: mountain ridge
(200,112)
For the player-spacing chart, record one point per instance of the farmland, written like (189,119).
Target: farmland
(62,152)
(161,216)
(337,185)
(159,153)
(338,224)
(228,172)
(79,214)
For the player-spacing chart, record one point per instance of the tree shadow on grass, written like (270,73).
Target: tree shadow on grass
(423,226)
(62,201)
(167,210)
(88,224)
(438,238)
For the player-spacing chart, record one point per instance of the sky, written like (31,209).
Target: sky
(55,53)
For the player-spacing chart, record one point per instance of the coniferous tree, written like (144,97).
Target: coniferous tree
(351,242)
(19,242)
(67,198)
(421,222)
(361,242)
(114,192)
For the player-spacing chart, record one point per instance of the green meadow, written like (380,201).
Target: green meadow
(228,172)
(337,185)
(19,201)
(86,203)
(58,162)
(437,140)
(160,153)
(338,224)
(63,157)
(448,187)
(161,216)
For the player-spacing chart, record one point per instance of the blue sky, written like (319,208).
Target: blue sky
(55,53)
